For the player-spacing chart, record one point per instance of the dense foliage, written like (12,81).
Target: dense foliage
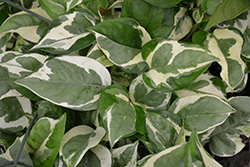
(123,83)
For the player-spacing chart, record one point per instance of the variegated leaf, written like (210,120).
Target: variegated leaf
(13,114)
(226,45)
(162,131)
(204,84)
(67,33)
(56,7)
(225,141)
(4,38)
(69,81)
(96,53)
(6,140)
(19,66)
(161,22)
(122,49)
(44,140)
(77,141)
(163,3)
(125,156)
(188,154)
(174,65)
(141,94)
(117,113)
(182,24)
(245,48)
(98,156)
(11,153)
(210,5)
(29,27)
(202,112)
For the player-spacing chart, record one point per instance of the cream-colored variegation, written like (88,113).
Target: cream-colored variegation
(145,37)
(234,52)
(103,155)
(10,93)
(43,73)
(25,104)
(22,121)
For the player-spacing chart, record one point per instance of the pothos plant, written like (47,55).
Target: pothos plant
(123,83)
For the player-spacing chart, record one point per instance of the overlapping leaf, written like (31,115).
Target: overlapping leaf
(67,33)
(70,81)
(18,66)
(162,131)
(125,155)
(225,140)
(163,3)
(162,21)
(210,5)
(146,97)
(187,154)
(29,27)
(205,84)
(118,114)
(4,38)
(226,45)
(174,65)
(245,48)
(13,114)
(44,140)
(98,156)
(202,111)
(77,141)
(122,49)
(11,153)
(227,10)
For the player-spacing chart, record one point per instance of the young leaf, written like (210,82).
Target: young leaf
(69,81)
(226,140)
(227,10)
(44,140)
(174,65)
(11,153)
(162,130)
(141,94)
(67,33)
(13,114)
(205,84)
(77,141)
(202,111)
(117,113)
(122,49)
(226,45)
(29,27)
(125,156)
(187,154)
(98,156)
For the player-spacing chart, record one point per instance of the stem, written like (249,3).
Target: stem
(26,10)
(24,140)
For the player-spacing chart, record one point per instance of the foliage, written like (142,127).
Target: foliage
(124,83)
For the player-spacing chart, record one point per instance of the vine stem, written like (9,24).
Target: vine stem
(24,140)
(26,10)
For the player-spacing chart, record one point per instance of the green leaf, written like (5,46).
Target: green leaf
(141,94)
(227,10)
(204,84)
(77,141)
(187,154)
(226,45)
(96,53)
(69,81)
(226,140)
(163,3)
(202,112)
(47,109)
(11,153)
(125,155)
(162,131)
(117,113)
(122,49)
(98,156)
(174,65)
(67,33)
(245,52)
(210,5)
(6,140)
(29,27)
(4,38)
(13,114)
(44,140)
